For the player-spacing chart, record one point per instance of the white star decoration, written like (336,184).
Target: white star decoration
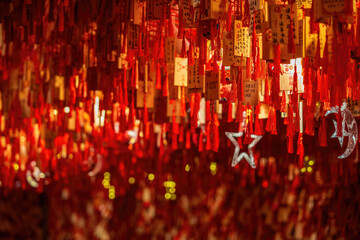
(239,156)
(349,123)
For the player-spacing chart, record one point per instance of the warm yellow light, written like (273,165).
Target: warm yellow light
(311,162)
(213,166)
(111,196)
(66,109)
(173,196)
(16,167)
(172,190)
(55,112)
(306,158)
(111,189)
(151,176)
(187,167)
(107,175)
(105,183)
(309,169)
(167,195)
(169,184)
(303,170)
(131,180)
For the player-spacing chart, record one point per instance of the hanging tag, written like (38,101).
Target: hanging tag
(60,87)
(287,76)
(174,91)
(133,34)
(280,23)
(170,50)
(150,95)
(228,47)
(181,72)
(136,11)
(212,85)
(196,82)
(251,93)
(241,40)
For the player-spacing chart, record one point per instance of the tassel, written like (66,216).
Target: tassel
(239,140)
(201,142)
(145,119)
(254,53)
(195,110)
(175,125)
(314,26)
(166,84)
(229,115)
(291,42)
(283,102)
(188,141)
(202,53)
(229,17)
(223,78)
(126,100)
(300,150)
(275,84)
(295,90)
(246,18)
(161,48)
(191,61)
(323,133)
(181,24)
(183,47)
(290,130)
(170,28)
(317,53)
(158,76)
(248,68)
(174,144)
(215,129)
(258,129)
(208,136)
(207,112)
(239,113)
(273,124)
(181,134)
(240,93)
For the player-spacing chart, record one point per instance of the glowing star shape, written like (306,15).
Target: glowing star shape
(351,132)
(239,156)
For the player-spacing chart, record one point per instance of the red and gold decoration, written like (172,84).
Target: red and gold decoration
(143,101)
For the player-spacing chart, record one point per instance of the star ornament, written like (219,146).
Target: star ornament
(238,156)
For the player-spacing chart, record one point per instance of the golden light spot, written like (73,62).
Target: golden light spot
(151,176)
(213,166)
(16,167)
(167,196)
(187,167)
(131,180)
